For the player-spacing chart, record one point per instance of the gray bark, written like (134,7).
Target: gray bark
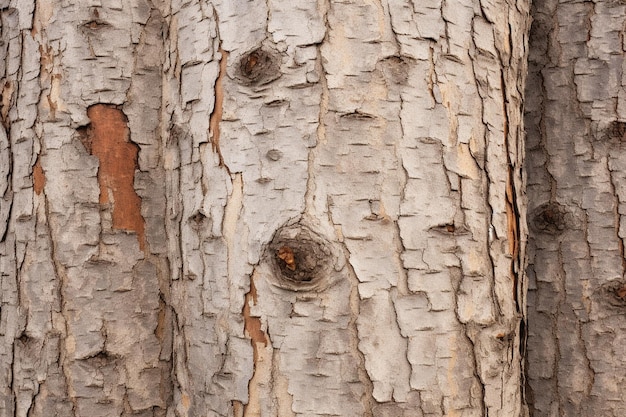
(262,208)
(576,114)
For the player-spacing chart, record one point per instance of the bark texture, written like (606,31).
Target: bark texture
(576,114)
(262,208)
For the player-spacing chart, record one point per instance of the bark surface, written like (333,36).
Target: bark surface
(576,114)
(262,208)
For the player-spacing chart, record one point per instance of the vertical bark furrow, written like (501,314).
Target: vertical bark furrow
(260,386)
(216,115)
(359,153)
(209,289)
(9,78)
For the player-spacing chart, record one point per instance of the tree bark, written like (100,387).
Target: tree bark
(575,118)
(262,208)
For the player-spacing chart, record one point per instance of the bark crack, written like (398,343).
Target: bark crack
(216,115)
(556,319)
(253,329)
(618,217)
(309,195)
(284,400)
(484,410)
(62,279)
(512,208)
(488,183)
(368,401)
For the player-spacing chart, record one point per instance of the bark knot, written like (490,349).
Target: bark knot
(614,293)
(552,218)
(259,66)
(617,131)
(302,260)
(396,68)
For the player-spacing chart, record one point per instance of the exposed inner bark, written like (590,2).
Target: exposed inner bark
(108,138)
(253,324)
(216,116)
(39,178)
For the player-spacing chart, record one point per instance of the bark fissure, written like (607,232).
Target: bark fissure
(368,401)
(618,217)
(258,337)
(62,280)
(216,115)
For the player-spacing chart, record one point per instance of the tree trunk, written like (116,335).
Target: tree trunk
(262,208)
(577,190)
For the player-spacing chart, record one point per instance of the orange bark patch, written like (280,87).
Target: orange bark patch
(252,325)
(184,398)
(216,116)
(258,340)
(238,408)
(109,138)
(286,254)
(39,178)
(512,216)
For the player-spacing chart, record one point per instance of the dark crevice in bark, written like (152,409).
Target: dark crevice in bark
(254,331)
(60,277)
(470,332)
(618,224)
(556,318)
(5,225)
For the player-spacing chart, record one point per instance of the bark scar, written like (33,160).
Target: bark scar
(252,324)
(108,139)
(259,340)
(39,177)
(216,116)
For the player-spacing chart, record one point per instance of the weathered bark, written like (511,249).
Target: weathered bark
(262,208)
(577,189)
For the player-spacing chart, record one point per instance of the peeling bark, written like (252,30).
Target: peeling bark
(261,208)
(107,138)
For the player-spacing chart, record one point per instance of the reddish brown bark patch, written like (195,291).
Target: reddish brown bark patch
(252,324)
(39,178)
(613,293)
(109,140)
(216,116)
